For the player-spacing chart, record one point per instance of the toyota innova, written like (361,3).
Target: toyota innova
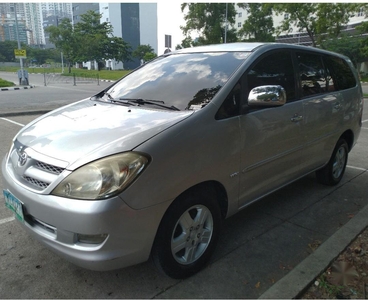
(152,165)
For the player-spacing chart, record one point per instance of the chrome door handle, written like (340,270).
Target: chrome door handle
(296,118)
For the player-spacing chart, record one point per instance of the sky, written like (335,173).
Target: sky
(170,18)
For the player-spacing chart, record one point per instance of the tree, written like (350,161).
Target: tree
(96,40)
(41,55)
(350,46)
(64,38)
(7,50)
(89,40)
(149,56)
(144,52)
(317,19)
(259,25)
(187,42)
(208,19)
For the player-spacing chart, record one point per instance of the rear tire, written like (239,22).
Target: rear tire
(188,234)
(333,172)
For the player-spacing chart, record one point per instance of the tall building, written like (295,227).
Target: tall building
(61,10)
(8,28)
(136,23)
(34,20)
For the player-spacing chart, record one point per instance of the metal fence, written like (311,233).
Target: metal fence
(73,79)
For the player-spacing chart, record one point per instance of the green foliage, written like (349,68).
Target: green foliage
(149,56)
(88,40)
(324,20)
(103,74)
(5,83)
(141,51)
(350,46)
(209,20)
(363,29)
(259,25)
(187,42)
(7,51)
(64,39)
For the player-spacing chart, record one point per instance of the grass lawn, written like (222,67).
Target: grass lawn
(5,83)
(103,74)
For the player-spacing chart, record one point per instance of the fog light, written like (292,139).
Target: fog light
(91,239)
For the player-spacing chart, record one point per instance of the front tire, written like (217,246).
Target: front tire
(333,172)
(187,235)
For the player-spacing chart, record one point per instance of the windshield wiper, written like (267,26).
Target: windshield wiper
(159,103)
(101,94)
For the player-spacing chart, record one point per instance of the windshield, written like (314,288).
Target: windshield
(183,81)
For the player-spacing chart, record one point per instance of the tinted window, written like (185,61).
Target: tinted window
(313,76)
(186,81)
(274,69)
(340,72)
(230,107)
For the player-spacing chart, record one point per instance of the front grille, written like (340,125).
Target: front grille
(36,182)
(31,170)
(49,168)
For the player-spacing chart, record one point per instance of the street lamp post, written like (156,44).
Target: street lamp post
(23,79)
(225,24)
(62,62)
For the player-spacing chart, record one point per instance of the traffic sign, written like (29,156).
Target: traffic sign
(20,53)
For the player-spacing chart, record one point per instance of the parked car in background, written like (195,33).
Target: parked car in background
(152,165)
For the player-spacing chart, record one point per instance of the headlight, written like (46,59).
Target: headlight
(103,178)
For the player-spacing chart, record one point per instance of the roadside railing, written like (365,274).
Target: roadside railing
(50,78)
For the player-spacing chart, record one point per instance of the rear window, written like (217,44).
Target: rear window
(186,81)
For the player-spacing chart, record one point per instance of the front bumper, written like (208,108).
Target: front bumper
(56,223)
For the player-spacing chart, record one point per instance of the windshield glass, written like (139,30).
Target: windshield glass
(184,81)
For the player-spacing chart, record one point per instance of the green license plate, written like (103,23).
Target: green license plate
(14,205)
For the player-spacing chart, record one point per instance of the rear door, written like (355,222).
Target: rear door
(323,109)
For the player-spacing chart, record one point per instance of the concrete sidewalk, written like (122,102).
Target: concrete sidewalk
(269,260)
(299,279)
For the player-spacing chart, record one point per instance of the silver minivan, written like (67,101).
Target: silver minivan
(152,165)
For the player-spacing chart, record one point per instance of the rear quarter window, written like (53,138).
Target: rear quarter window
(341,73)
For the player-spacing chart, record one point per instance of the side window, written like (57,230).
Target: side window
(230,107)
(313,77)
(274,69)
(341,73)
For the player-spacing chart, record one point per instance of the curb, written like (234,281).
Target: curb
(293,284)
(15,88)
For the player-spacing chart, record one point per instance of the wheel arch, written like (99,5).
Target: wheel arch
(348,136)
(215,187)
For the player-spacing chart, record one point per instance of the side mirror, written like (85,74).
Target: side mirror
(267,96)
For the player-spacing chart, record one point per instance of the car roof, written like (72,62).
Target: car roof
(230,47)
(249,47)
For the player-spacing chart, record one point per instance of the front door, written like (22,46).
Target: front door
(271,138)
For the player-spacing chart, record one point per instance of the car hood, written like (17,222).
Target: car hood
(88,130)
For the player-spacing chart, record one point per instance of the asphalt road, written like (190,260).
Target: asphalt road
(41,97)
(257,248)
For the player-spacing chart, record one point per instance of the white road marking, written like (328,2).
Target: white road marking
(356,168)
(16,123)
(7,220)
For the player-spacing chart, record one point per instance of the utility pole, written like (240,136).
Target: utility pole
(23,80)
(225,24)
